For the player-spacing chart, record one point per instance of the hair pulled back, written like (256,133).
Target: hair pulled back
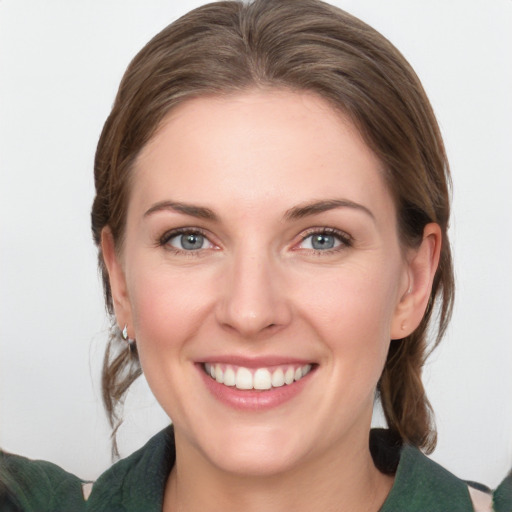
(300,45)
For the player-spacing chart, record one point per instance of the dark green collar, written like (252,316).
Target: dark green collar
(503,495)
(421,485)
(37,486)
(137,483)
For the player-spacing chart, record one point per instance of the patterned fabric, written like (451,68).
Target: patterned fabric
(137,483)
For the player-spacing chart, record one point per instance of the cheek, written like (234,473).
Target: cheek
(352,311)
(351,299)
(167,309)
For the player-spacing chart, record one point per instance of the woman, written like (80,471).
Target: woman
(271,212)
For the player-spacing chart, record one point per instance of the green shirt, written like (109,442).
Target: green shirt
(137,483)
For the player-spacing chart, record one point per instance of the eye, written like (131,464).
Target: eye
(186,240)
(325,240)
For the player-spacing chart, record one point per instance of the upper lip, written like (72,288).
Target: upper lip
(255,362)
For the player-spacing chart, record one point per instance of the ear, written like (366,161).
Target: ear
(117,280)
(421,268)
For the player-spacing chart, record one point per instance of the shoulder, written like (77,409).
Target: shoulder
(32,485)
(502,497)
(132,484)
(422,485)
(136,482)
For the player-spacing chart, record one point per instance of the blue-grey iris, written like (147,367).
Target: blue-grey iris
(319,242)
(192,241)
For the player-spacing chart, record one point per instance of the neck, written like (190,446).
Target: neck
(342,480)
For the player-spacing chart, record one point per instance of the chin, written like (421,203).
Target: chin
(253,451)
(256,461)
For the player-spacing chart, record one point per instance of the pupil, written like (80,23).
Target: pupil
(192,241)
(323,242)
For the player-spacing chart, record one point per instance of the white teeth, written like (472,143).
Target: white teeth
(219,374)
(260,378)
(289,376)
(229,377)
(278,378)
(210,369)
(243,379)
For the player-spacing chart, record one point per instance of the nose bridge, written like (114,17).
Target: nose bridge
(253,300)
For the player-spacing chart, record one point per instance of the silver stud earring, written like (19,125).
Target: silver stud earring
(130,343)
(124,335)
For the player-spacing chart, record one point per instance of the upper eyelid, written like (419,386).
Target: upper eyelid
(327,231)
(163,242)
(346,240)
(171,233)
(178,231)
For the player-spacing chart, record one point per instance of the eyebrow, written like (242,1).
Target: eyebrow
(313,208)
(200,212)
(295,213)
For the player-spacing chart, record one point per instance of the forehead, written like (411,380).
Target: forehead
(260,147)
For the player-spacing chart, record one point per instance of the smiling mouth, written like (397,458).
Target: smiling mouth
(256,378)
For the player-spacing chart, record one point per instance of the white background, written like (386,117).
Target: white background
(60,64)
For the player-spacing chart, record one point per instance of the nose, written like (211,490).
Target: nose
(253,302)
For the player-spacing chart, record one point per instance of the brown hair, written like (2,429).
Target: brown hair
(303,45)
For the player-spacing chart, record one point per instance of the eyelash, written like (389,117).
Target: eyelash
(345,240)
(169,235)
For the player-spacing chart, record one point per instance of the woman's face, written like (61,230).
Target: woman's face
(261,244)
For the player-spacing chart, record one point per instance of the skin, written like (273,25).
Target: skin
(256,287)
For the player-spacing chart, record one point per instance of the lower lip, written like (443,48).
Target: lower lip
(253,400)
